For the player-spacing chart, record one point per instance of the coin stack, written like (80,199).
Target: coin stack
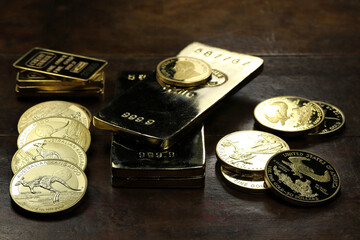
(243,156)
(294,116)
(44,72)
(51,158)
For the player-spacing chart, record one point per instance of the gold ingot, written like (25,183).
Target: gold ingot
(48,186)
(248,150)
(288,115)
(49,148)
(54,109)
(183,71)
(60,127)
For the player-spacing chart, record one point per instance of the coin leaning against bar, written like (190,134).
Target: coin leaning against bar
(302,178)
(289,114)
(250,182)
(48,186)
(49,148)
(248,150)
(59,127)
(333,121)
(183,71)
(54,109)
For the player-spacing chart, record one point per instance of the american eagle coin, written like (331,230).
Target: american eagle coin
(302,178)
(49,148)
(244,181)
(54,109)
(289,115)
(48,186)
(59,127)
(248,150)
(183,71)
(334,119)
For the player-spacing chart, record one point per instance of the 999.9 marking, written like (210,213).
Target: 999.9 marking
(137,119)
(158,155)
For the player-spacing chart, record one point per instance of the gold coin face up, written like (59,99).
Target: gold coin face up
(54,109)
(183,71)
(334,119)
(245,181)
(288,114)
(49,148)
(59,127)
(248,150)
(302,178)
(48,186)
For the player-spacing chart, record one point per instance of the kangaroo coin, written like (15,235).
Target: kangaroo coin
(54,109)
(49,148)
(59,127)
(48,186)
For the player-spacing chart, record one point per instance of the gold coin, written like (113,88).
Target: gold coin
(248,150)
(53,109)
(288,114)
(183,71)
(245,181)
(48,186)
(49,148)
(302,178)
(60,127)
(334,119)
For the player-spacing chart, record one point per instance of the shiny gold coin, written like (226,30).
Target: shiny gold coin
(59,127)
(54,109)
(48,186)
(289,115)
(334,119)
(248,150)
(49,148)
(244,181)
(302,178)
(183,71)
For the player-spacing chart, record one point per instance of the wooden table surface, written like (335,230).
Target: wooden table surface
(310,48)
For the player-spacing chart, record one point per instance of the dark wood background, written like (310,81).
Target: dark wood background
(310,48)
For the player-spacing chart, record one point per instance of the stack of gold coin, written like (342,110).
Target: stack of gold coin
(50,162)
(183,72)
(243,156)
(44,72)
(294,116)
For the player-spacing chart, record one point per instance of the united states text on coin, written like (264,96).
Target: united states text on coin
(48,186)
(288,114)
(60,127)
(248,150)
(246,181)
(183,71)
(49,148)
(302,178)
(54,109)
(334,119)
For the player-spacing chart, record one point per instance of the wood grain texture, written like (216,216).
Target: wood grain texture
(310,49)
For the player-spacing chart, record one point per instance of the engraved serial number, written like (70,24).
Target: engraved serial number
(137,119)
(224,57)
(156,154)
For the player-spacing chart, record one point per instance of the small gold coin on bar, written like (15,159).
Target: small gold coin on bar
(289,115)
(48,186)
(60,127)
(183,71)
(54,109)
(302,178)
(245,181)
(49,148)
(334,120)
(248,150)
